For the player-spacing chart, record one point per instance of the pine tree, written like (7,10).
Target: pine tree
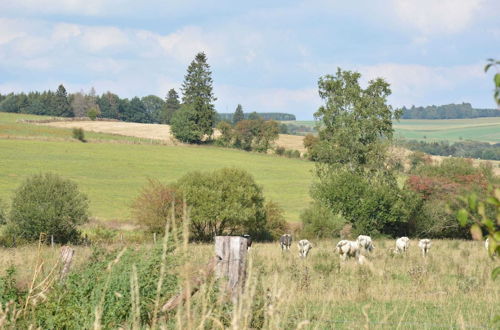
(62,106)
(172,104)
(197,93)
(238,114)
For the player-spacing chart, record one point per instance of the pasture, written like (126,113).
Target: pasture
(113,173)
(476,129)
(451,288)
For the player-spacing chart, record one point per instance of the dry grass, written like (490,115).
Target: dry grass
(451,288)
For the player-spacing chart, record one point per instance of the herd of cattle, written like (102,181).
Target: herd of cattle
(353,249)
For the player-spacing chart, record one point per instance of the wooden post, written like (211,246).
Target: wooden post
(52,241)
(67,254)
(232,254)
(154,238)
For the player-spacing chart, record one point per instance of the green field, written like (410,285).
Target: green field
(113,173)
(477,129)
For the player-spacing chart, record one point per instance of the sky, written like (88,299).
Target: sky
(265,55)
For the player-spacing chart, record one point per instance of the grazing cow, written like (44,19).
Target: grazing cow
(249,240)
(424,245)
(285,242)
(365,243)
(348,249)
(402,244)
(304,247)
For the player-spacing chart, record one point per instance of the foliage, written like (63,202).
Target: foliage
(62,107)
(476,212)
(280,151)
(79,134)
(496,78)
(447,111)
(354,122)
(318,221)
(257,135)
(105,282)
(154,107)
(275,225)
(94,112)
(9,289)
(278,116)
(198,94)
(222,202)
(3,213)
(153,207)
(310,143)
(172,104)
(467,149)
(238,114)
(50,204)
(226,134)
(374,205)
(184,127)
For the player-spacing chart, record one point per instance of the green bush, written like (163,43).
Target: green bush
(73,305)
(94,112)
(225,201)
(3,213)
(319,222)
(280,151)
(50,204)
(275,226)
(9,290)
(184,125)
(79,134)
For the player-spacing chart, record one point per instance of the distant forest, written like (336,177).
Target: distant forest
(448,111)
(147,109)
(467,149)
(264,115)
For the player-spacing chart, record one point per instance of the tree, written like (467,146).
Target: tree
(253,116)
(354,127)
(50,204)
(184,127)
(172,104)
(238,114)
(109,105)
(154,106)
(62,106)
(496,78)
(197,92)
(134,111)
(79,104)
(223,202)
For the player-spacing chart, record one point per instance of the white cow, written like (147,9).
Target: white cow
(402,244)
(424,245)
(304,247)
(348,249)
(365,243)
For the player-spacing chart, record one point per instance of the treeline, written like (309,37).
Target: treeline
(448,111)
(264,115)
(148,109)
(466,149)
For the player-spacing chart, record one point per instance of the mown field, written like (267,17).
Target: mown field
(477,129)
(111,169)
(451,288)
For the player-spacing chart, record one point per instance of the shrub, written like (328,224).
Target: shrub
(275,223)
(79,134)
(184,126)
(153,207)
(296,154)
(319,222)
(280,150)
(3,217)
(226,134)
(47,203)
(225,201)
(94,112)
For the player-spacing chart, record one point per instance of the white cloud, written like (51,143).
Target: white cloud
(437,16)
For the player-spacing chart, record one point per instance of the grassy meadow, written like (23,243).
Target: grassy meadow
(451,288)
(477,129)
(113,171)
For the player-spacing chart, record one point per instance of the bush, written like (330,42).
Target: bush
(280,151)
(94,112)
(226,134)
(47,203)
(153,207)
(79,134)
(184,126)
(222,202)
(3,218)
(319,222)
(275,223)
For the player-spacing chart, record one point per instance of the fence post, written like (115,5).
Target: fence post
(154,238)
(67,254)
(52,241)
(231,267)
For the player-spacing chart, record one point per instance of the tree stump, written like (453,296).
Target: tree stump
(231,267)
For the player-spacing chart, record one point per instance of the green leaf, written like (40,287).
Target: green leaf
(496,79)
(476,232)
(462,216)
(495,273)
(488,223)
(492,201)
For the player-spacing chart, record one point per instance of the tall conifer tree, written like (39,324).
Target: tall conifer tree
(238,114)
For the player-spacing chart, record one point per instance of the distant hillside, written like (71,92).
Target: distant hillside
(448,111)
(263,115)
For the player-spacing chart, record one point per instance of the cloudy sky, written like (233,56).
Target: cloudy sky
(266,55)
